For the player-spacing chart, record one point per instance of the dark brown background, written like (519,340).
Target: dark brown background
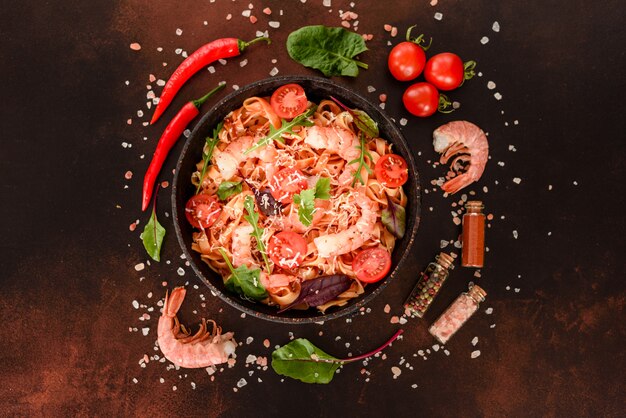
(67,257)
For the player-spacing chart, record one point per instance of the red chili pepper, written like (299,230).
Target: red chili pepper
(169,137)
(203,56)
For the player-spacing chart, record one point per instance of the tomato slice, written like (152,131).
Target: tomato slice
(289,101)
(202,210)
(287,249)
(391,170)
(286,183)
(372,264)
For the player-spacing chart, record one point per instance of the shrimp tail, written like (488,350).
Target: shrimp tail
(454,185)
(173,302)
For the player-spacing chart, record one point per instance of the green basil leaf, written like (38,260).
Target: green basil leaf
(365,123)
(322,188)
(228,188)
(301,360)
(152,237)
(330,50)
(306,205)
(394,218)
(246,283)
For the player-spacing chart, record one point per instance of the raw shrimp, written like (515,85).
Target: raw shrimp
(352,238)
(241,247)
(228,160)
(202,349)
(468,145)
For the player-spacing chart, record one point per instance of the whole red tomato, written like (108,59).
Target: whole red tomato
(446,71)
(421,99)
(407,59)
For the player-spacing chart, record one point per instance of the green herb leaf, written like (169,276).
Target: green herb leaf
(152,237)
(330,50)
(394,218)
(303,361)
(253,219)
(306,200)
(286,128)
(245,282)
(211,142)
(362,120)
(322,188)
(361,161)
(228,188)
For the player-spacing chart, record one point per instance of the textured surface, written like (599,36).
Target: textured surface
(67,256)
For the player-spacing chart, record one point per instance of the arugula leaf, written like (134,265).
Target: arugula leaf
(286,128)
(302,360)
(306,199)
(361,161)
(330,50)
(152,237)
(211,142)
(228,188)
(253,219)
(362,120)
(394,218)
(244,281)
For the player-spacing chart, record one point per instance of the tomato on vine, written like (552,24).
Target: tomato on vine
(446,71)
(407,59)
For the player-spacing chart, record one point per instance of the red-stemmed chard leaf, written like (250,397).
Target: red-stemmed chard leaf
(318,291)
(362,120)
(302,360)
(394,218)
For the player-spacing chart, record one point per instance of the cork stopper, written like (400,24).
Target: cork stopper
(445,260)
(475,206)
(477,293)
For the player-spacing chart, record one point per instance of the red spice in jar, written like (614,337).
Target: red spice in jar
(473,235)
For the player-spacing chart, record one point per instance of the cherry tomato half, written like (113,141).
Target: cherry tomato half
(289,101)
(372,264)
(421,99)
(445,71)
(287,249)
(286,183)
(391,170)
(202,210)
(406,61)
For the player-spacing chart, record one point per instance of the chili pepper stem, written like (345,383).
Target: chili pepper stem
(243,44)
(199,102)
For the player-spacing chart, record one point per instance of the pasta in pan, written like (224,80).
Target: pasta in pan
(326,159)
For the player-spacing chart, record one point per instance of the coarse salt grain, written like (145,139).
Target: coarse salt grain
(517,180)
(266,343)
(274,71)
(246,13)
(241,383)
(387,308)
(180,271)
(243,63)
(498,96)
(403,121)
(396,371)
(387,28)
(267,11)
(438,16)
(274,24)
(394,319)
(140,266)
(229,16)
(475,353)
(484,40)
(491,85)
(515,235)
(135,46)
(253,19)
(474,341)
(496,26)
(179,31)
(382,98)
(394,32)
(326,3)
(145,331)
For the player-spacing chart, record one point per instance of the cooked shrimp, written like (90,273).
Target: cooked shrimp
(228,160)
(467,144)
(202,349)
(339,141)
(352,238)
(241,247)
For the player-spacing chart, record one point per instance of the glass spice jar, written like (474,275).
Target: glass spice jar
(473,237)
(457,314)
(428,286)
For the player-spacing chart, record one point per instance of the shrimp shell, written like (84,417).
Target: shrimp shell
(465,143)
(202,349)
